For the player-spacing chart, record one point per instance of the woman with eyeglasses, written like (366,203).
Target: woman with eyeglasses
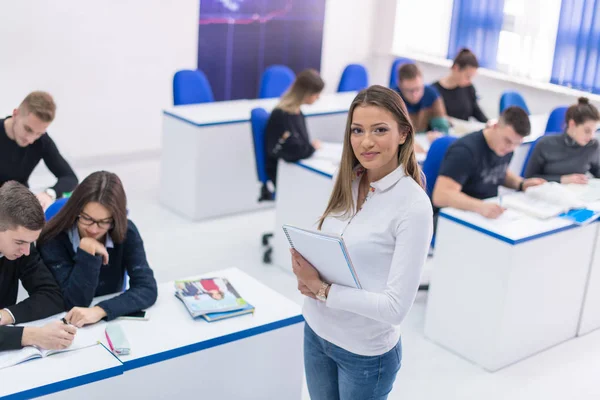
(90,245)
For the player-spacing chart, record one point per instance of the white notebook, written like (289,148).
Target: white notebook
(327,253)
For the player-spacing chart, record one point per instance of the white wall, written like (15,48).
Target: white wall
(108,64)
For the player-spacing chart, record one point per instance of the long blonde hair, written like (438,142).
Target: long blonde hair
(341,200)
(308,82)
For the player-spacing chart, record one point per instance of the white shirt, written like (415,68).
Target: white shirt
(388,241)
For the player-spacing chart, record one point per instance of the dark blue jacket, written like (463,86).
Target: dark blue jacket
(81,276)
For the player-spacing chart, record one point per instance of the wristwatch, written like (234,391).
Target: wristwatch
(322,293)
(52,193)
(521,185)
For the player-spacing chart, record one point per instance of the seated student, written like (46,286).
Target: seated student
(286,135)
(21,221)
(475,165)
(90,244)
(24,142)
(567,158)
(457,90)
(423,102)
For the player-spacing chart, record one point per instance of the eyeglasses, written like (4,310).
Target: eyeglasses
(89,221)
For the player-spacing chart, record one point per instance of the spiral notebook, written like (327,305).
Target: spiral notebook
(326,252)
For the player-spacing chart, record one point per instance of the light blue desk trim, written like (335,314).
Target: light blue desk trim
(68,383)
(238,121)
(317,171)
(504,239)
(207,344)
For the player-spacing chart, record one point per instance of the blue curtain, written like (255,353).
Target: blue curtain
(577,51)
(476,24)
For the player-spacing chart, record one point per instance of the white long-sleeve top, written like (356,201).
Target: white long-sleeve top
(387,240)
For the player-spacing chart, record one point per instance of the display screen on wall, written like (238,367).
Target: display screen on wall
(238,39)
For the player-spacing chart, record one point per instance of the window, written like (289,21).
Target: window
(527,38)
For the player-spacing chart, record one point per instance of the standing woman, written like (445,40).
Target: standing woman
(90,245)
(286,135)
(352,347)
(457,89)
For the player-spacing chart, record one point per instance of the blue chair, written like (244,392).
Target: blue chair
(354,78)
(556,120)
(433,162)
(394,72)
(530,151)
(258,121)
(275,81)
(191,87)
(511,98)
(54,208)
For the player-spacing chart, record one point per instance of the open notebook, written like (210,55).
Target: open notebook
(85,337)
(326,252)
(552,200)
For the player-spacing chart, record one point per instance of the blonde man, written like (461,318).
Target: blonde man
(24,142)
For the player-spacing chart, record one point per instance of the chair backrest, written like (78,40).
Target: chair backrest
(530,151)
(354,78)
(275,81)
(556,120)
(258,120)
(433,162)
(191,87)
(54,208)
(511,98)
(394,72)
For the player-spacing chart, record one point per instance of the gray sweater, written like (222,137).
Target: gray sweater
(558,155)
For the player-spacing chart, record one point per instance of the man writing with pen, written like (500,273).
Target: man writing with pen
(21,221)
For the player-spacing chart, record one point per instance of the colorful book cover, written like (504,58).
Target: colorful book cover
(209,295)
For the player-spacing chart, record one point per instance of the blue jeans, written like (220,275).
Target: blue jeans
(333,373)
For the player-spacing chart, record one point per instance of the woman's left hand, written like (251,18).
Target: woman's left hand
(80,316)
(305,272)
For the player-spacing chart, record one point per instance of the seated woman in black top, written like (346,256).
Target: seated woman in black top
(286,136)
(89,245)
(457,90)
(567,158)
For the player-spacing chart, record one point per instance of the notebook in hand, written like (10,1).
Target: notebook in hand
(85,337)
(210,295)
(326,252)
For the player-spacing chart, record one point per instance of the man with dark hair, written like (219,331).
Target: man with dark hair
(24,143)
(21,221)
(475,165)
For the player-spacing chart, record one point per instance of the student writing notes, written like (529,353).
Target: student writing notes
(24,142)
(457,90)
(352,346)
(475,165)
(21,221)
(90,244)
(286,136)
(567,158)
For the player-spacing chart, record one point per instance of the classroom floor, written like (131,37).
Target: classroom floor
(178,248)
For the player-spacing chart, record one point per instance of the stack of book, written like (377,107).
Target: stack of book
(211,298)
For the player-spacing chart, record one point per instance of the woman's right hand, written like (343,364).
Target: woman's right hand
(579,179)
(94,247)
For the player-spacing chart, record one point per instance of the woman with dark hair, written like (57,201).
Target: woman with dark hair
(567,158)
(90,245)
(352,347)
(457,89)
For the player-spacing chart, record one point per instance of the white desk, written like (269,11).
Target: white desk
(81,374)
(208,167)
(590,310)
(256,356)
(504,290)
